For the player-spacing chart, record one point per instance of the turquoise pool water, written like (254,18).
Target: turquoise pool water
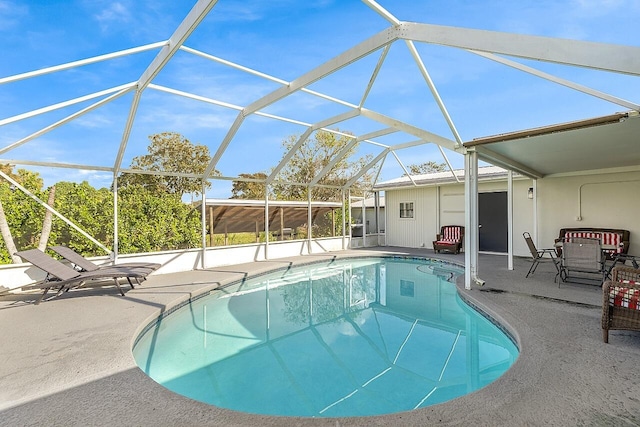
(353,337)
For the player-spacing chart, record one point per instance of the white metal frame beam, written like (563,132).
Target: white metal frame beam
(184,30)
(340,155)
(599,56)
(81,62)
(350,56)
(412,130)
(560,81)
(69,118)
(320,125)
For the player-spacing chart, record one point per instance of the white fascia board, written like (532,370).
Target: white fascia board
(499,160)
(601,56)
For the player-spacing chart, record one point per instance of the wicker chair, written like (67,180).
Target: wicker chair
(449,239)
(621,301)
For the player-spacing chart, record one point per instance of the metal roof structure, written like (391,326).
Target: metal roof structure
(535,154)
(491,45)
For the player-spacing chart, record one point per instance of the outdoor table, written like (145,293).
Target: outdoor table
(623,258)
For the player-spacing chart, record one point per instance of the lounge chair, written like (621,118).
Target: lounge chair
(537,255)
(83,264)
(450,239)
(621,301)
(63,277)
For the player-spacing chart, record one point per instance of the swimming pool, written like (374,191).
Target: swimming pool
(351,337)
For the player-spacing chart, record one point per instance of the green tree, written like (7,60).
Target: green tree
(426,167)
(249,189)
(90,209)
(150,221)
(311,158)
(5,230)
(170,152)
(21,212)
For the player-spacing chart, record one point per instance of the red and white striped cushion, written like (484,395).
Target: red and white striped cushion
(451,234)
(620,296)
(606,239)
(613,239)
(570,235)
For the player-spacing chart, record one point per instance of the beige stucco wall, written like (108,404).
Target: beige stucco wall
(608,199)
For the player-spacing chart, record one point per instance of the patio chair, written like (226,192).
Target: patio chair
(83,264)
(581,261)
(63,277)
(621,301)
(450,239)
(537,256)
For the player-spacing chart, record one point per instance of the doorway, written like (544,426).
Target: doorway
(493,222)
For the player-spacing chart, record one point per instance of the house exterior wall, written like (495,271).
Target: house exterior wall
(604,199)
(418,231)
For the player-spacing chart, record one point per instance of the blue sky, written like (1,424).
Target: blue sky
(285,39)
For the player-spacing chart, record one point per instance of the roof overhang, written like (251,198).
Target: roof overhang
(599,143)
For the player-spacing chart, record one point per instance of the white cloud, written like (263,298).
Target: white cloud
(113,14)
(11,13)
(93,121)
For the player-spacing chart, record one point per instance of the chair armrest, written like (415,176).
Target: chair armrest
(552,252)
(621,273)
(438,236)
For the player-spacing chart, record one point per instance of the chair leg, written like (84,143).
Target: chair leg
(115,279)
(42,296)
(532,269)
(605,335)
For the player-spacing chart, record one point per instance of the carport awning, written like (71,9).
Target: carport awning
(240,216)
(599,143)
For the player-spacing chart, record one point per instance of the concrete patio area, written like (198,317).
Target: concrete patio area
(68,361)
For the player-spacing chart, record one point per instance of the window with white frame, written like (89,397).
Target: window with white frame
(406,209)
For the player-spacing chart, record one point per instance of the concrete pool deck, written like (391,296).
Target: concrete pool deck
(68,361)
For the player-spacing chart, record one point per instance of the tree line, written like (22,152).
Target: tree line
(151,214)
